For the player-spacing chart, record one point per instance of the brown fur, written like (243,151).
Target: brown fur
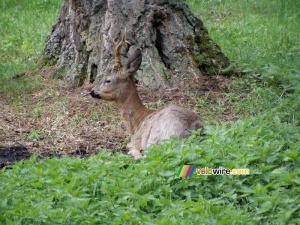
(146,126)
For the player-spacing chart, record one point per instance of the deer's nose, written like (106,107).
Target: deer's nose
(94,95)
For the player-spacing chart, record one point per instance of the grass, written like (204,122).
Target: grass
(25,26)
(115,190)
(259,33)
(262,38)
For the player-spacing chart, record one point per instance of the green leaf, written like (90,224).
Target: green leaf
(265,207)
(167,173)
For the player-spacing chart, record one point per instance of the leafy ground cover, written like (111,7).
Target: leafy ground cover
(251,122)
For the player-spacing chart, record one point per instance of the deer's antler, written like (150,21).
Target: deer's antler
(117,58)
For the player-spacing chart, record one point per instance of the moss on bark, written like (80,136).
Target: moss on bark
(172,39)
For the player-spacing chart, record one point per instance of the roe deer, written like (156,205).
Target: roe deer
(146,126)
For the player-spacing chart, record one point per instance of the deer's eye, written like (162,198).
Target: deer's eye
(107,81)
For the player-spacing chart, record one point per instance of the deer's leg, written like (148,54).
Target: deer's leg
(133,146)
(136,154)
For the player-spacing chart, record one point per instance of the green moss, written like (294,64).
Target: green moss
(190,39)
(80,70)
(59,73)
(78,81)
(45,61)
(207,55)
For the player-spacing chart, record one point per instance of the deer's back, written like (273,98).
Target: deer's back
(162,124)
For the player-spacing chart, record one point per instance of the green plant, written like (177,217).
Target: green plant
(36,111)
(21,43)
(262,37)
(113,190)
(35,135)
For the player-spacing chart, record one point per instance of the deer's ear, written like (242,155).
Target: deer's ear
(133,62)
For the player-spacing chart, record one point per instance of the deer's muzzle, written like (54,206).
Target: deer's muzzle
(94,95)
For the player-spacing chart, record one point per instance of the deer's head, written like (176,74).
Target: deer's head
(117,84)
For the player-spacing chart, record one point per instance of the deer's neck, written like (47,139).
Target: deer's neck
(133,111)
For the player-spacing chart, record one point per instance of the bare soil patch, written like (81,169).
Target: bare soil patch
(9,155)
(55,121)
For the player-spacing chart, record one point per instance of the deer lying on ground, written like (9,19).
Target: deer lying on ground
(146,126)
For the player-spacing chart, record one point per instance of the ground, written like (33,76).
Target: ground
(56,121)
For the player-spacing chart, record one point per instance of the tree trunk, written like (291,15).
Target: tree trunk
(174,42)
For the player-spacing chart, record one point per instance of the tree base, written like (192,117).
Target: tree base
(174,42)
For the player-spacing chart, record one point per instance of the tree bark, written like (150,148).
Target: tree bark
(174,42)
